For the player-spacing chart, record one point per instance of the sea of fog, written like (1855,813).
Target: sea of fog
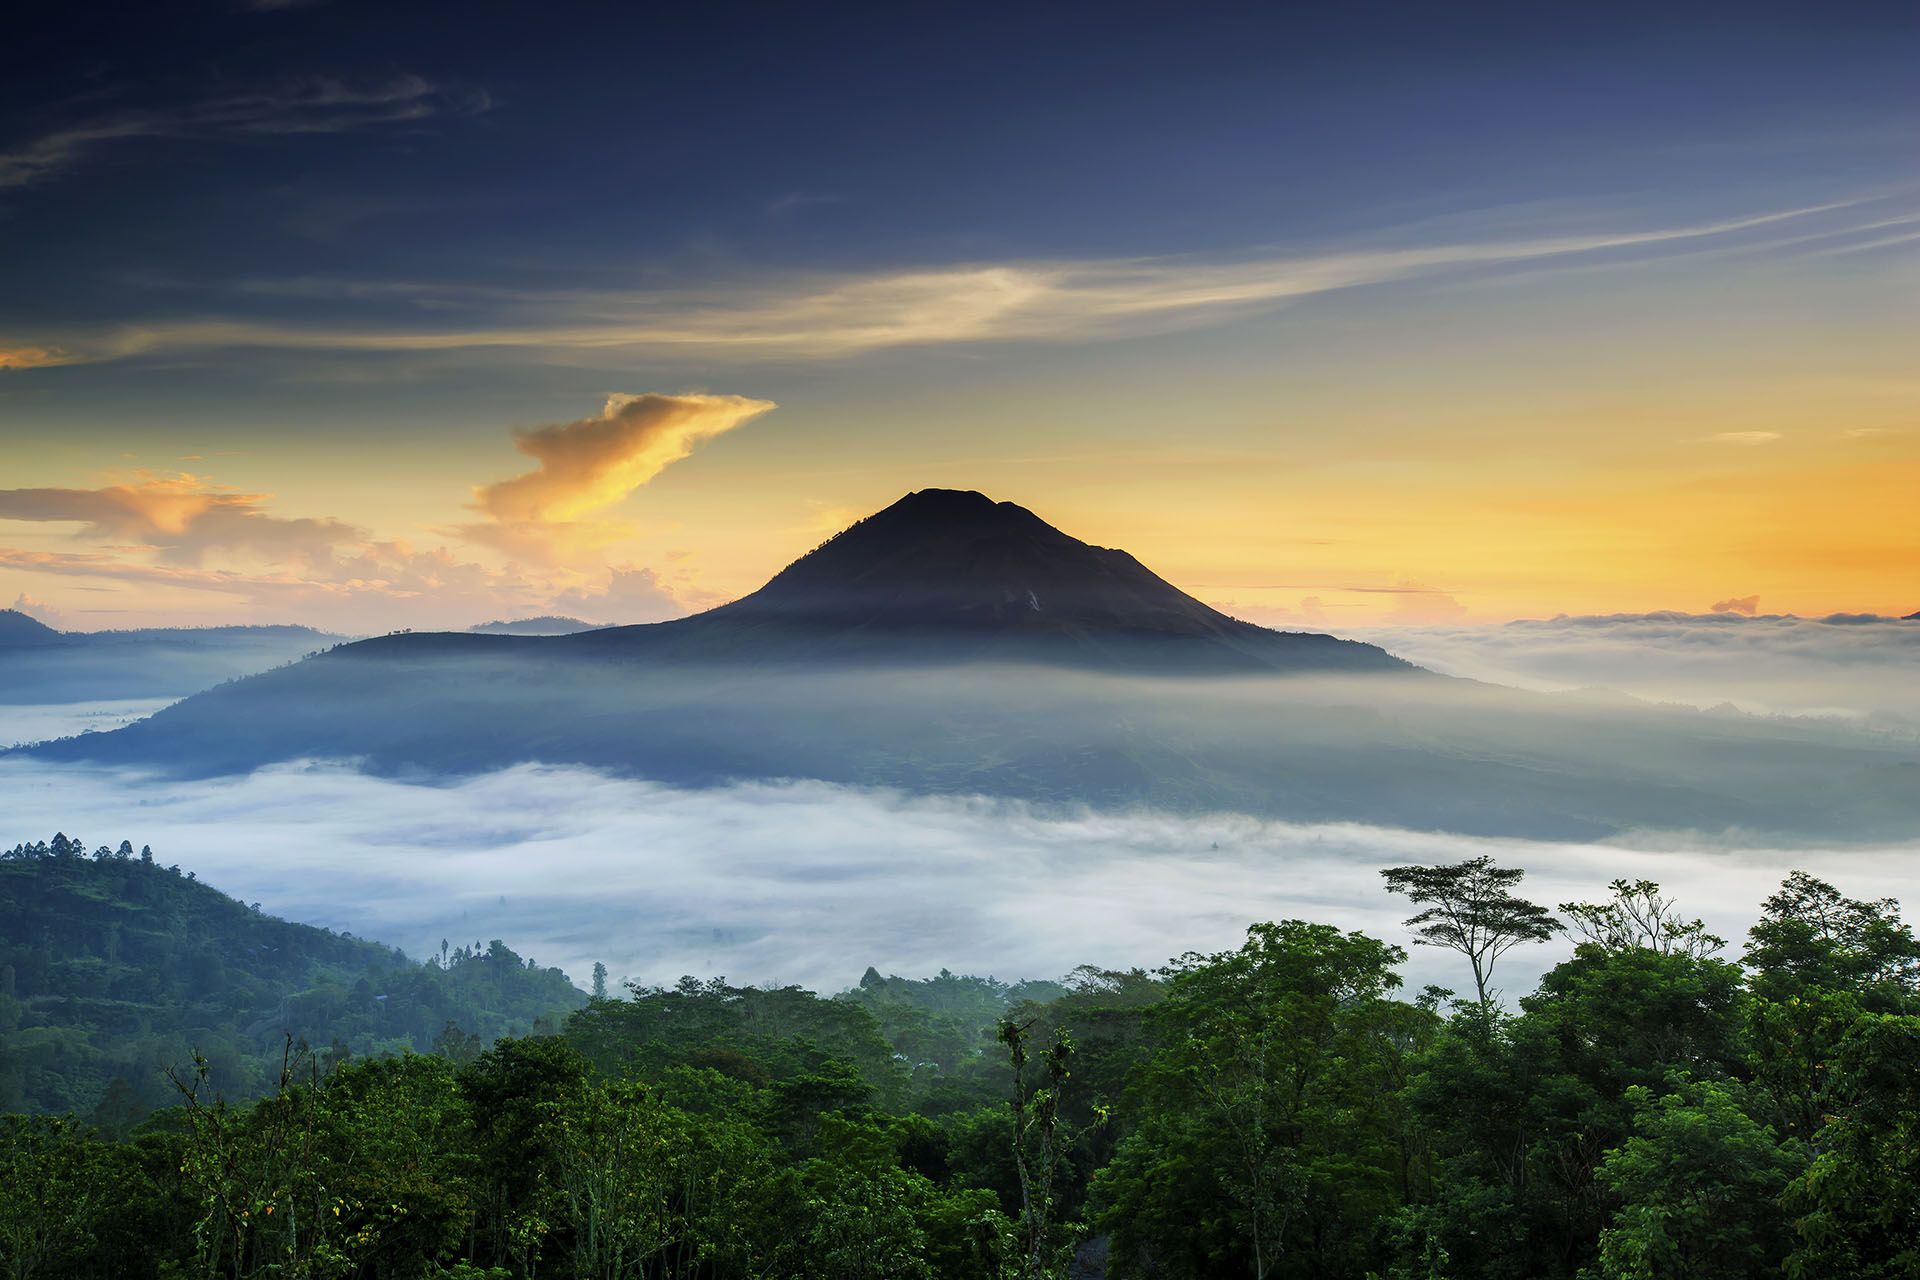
(38,722)
(811,883)
(1852,667)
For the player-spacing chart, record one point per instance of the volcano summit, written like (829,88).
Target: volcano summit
(953,644)
(945,575)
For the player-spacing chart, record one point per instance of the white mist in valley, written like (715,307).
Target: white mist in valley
(810,883)
(1853,667)
(37,722)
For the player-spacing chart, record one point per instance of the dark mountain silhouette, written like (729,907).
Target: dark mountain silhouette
(43,665)
(547,624)
(943,560)
(951,644)
(945,575)
(20,631)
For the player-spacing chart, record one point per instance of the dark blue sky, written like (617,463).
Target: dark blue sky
(1169,266)
(567,142)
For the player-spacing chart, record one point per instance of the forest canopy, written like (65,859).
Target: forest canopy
(1656,1106)
(114,967)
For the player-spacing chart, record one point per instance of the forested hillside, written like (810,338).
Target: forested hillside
(47,666)
(1652,1109)
(114,968)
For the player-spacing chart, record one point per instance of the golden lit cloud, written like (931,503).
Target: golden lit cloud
(33,357)
(181,517)
(591,464)
(183,537)
(373,587)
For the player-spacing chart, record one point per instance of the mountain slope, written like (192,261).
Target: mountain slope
(113,967)
(20,631)
(45,666)
(945,576)
(953,645)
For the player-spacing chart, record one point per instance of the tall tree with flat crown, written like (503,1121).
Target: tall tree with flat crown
(1471,908)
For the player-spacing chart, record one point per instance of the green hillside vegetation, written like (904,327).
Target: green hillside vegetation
(1281,1109)
(114,968)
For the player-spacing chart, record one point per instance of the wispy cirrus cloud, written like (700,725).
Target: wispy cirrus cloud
(31,357)
(834,316)
(313,106)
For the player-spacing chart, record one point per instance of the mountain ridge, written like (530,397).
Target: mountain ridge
(24,631)
(957,646)
(946,575)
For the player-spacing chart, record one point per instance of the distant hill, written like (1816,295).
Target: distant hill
(44,666)
(951,644)
(114,968)
(21,631)
(546,625)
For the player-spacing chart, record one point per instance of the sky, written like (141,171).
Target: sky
(371,316)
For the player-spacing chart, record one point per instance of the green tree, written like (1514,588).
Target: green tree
(1039,1143)
(1471,909)
(1859,1201)
(614,1157)
(1639,916)
(516,1093)
(1521,1111)
(1265,1137)
(50,1201)
(1698,1184)
(1812,937)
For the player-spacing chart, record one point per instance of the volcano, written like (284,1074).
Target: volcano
(953,560)
(947,575)
(951,644)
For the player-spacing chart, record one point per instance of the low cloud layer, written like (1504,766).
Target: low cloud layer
(40,611)
(37,722)
(632,594)
(810,883)
(1860,666)
(366,588)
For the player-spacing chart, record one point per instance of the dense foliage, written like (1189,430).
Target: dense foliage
(1278,1110)
(113,968)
